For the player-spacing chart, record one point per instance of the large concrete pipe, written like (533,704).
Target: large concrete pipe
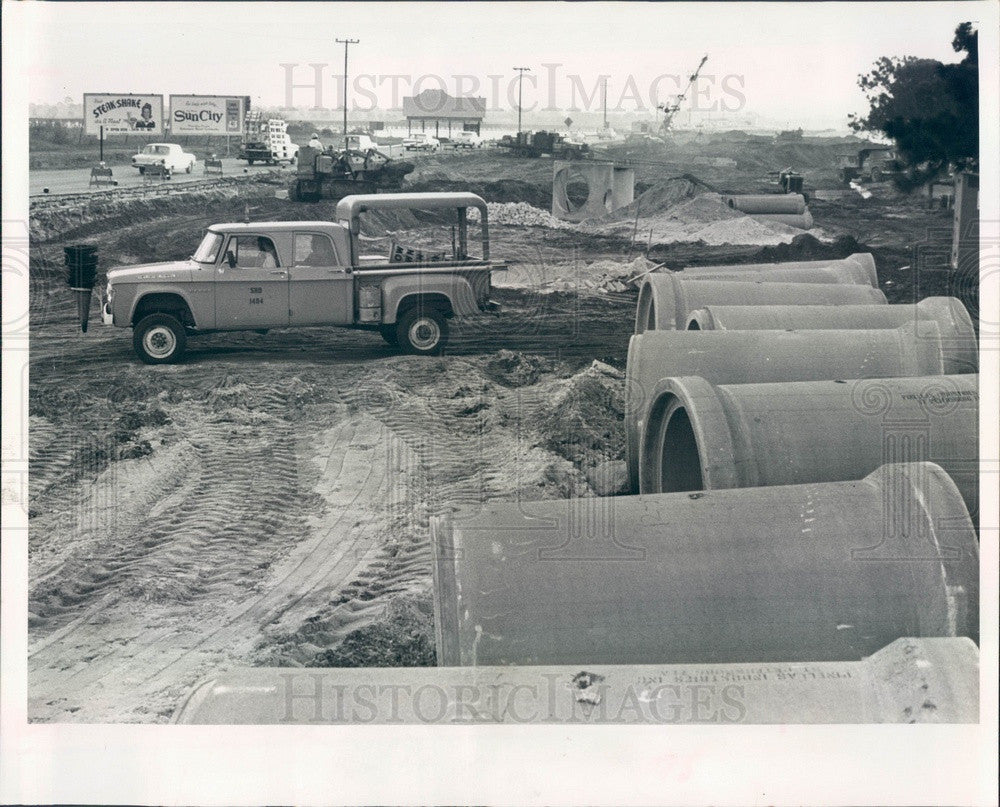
(839,272)
(950,314)
(910,681)
(747,357)
(666,299)
(702,436)
(796,573)
(864,259)
(802,221)
(768,203)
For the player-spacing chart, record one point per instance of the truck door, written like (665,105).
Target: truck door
(321,290)
(251,289)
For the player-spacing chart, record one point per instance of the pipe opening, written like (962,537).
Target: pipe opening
(693,325)
(680,465)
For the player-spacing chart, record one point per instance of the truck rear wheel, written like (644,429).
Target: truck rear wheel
(422,331)
(159,339)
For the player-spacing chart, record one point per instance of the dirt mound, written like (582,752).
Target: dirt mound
(662,196)
(514,369)
(519,214)
(805,247)
(585,419)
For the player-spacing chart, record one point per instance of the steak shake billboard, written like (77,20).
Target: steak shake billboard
(122,113)
(206,115)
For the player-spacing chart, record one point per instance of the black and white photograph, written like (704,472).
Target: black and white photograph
(500,403)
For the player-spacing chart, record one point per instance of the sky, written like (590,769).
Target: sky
(793,62)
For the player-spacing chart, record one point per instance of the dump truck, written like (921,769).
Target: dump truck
(255,276)
(874,164)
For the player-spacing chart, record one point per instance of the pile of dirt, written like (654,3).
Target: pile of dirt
(606,276)
(519,214)
(515,369)
(662,196)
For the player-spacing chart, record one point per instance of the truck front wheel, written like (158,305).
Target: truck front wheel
(422,331)
(159,339)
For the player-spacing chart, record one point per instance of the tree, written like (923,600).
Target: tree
(930,109)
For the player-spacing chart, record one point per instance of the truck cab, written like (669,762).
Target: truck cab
(263,275)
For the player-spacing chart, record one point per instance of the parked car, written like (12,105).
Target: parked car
(467,140)
(421,142)
(168,154)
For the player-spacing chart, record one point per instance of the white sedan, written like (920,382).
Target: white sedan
(168,154)
(421,142)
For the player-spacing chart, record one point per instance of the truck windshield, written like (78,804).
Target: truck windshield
(208,249)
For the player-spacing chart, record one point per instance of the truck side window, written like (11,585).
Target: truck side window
(254,252)
(313,249)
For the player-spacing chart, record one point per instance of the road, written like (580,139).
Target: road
(76,180)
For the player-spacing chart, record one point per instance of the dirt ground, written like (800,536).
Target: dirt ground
(267,501)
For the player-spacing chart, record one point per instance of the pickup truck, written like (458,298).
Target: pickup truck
(262,275)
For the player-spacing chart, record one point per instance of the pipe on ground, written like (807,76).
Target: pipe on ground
(666,299)
(702,436)
(864,259)
(846,272)
(768,203)
(748,357)
(895,685)
(950,314)
(797,573)
(802,221)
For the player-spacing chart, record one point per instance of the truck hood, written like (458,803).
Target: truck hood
(145,272)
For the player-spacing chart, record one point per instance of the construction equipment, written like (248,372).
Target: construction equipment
(334,173)
(266,140)
(872,164)
(671,109)
(535,144)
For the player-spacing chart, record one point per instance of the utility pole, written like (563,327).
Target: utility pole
(520,71)
(347,43)
(605,102)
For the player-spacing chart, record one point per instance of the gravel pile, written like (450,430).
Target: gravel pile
(520,213)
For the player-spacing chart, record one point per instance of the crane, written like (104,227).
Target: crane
(671,109)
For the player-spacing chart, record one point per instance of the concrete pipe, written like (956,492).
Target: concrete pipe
(768,203)
(953,324)
(730,576)
(895,685)
(666,299)
(801,221)
(846,272)
(747,357)
(864,259)
(702,436)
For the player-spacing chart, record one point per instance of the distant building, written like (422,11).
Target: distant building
(435,110)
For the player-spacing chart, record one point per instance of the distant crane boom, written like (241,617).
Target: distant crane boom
(671,109)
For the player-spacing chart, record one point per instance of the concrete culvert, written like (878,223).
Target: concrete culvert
(727,576)
(746,357)
(666,300)
(878,689)
(858,268)
(954,325)
(768,203)
(752,435)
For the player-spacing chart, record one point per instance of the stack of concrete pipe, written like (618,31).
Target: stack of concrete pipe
(794,440)
(806,457)
(789,208)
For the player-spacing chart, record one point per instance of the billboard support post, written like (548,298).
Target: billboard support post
(102,144)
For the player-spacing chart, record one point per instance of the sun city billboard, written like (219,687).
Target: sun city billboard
(122,113)
(206,114)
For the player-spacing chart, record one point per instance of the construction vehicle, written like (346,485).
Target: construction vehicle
(266,140)
(671,109)
(333,173)
(871,164)
(535,144)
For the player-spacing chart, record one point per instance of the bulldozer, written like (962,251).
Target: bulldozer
(334,173)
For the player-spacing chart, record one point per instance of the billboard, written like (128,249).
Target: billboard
(123,113)
(206,114)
